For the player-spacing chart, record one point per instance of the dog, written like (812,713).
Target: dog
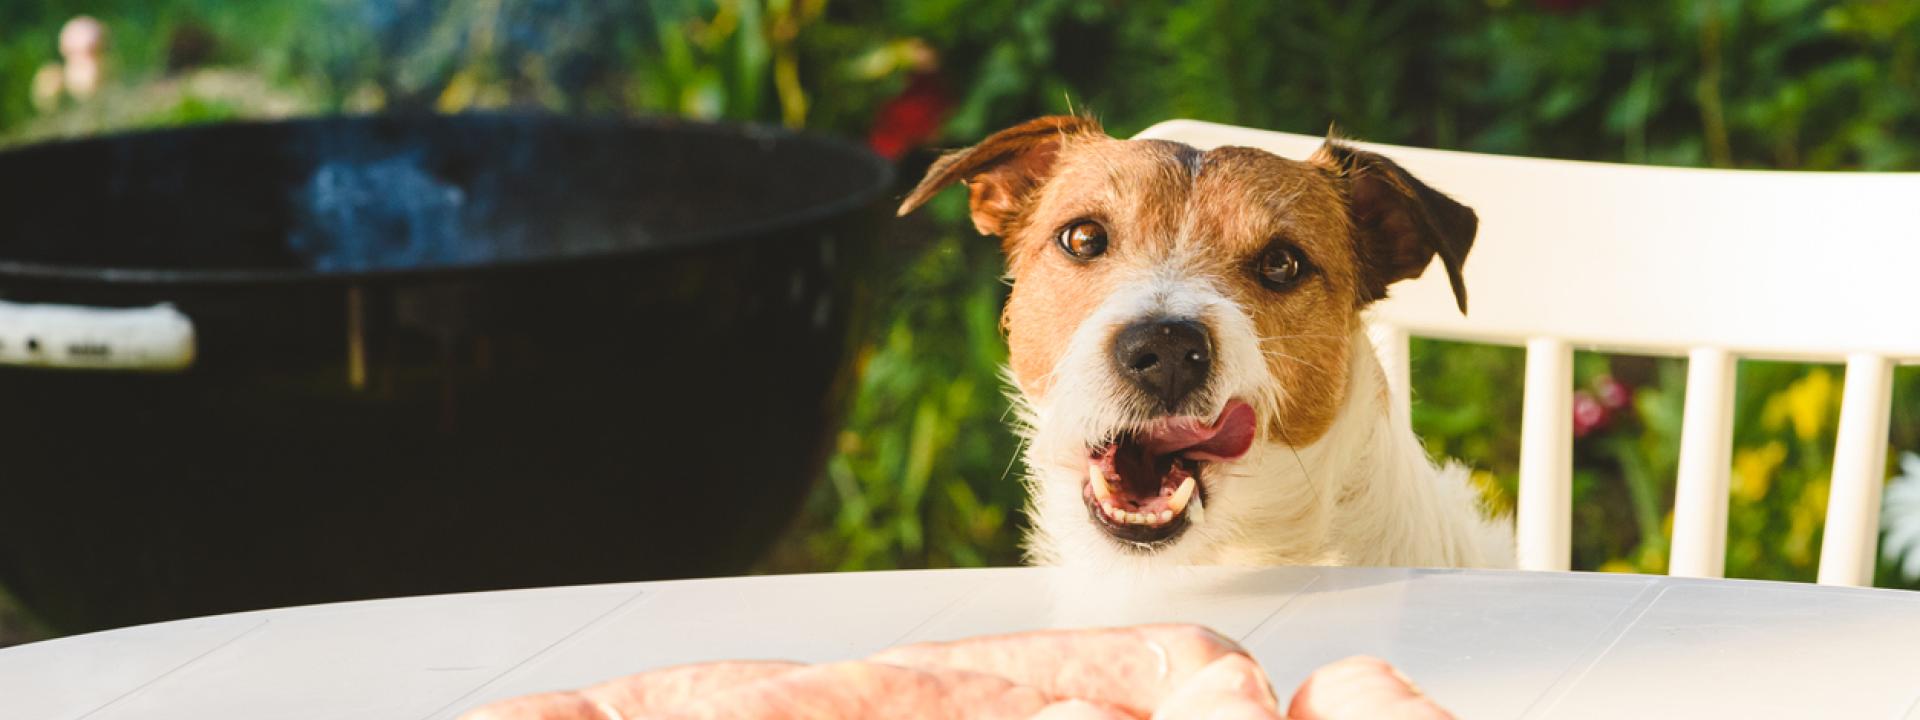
(1193,375)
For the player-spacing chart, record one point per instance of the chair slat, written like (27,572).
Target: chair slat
(1706,454)
(1859,473)
(1545,533)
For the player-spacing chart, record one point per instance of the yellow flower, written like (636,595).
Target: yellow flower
(1806,403)
(1805,519)
(1653,557)
(1753,470)
(1493,497)
(1618,565)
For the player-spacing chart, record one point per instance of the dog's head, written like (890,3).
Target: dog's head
(1177,314)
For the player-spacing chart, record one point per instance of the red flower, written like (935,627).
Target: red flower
(1588,414)
(912,118)
(1612,393)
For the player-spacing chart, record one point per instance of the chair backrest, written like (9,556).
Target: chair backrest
(1713,265)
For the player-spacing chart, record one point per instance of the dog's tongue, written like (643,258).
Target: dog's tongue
(1227,438)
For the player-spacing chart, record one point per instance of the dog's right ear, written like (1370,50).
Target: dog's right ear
(1401,221)
(1003,171)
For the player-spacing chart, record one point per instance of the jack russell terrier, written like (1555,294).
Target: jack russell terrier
(1192,369)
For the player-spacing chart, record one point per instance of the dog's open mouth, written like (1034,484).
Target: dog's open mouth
(1143,487)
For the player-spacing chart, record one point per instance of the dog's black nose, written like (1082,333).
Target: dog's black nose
(1166,359)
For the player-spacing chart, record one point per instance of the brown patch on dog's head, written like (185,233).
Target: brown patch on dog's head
(1254,205)
(1224,219)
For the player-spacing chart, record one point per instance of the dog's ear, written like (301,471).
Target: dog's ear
(1399,222)
(1001,172)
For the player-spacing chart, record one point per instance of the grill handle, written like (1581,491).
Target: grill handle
(145,339)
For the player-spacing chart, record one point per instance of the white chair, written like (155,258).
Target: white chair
(1715,265)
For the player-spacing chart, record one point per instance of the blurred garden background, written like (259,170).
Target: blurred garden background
(926,473)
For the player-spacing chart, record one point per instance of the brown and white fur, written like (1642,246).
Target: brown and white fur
(1333,475)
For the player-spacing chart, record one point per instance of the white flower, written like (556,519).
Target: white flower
(1900,518)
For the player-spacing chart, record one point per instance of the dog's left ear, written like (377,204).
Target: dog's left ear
(1003,171)
(1399,222)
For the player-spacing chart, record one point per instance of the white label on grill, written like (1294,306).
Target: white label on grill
(157,339)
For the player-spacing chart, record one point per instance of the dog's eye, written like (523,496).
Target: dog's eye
(1281,266)
(1083,239)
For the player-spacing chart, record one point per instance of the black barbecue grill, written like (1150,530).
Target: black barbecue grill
(254,365)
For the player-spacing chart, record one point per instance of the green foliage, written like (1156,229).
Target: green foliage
(924,476)
(137,57)
(926,473)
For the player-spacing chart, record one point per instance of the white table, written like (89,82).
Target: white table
(1485,644)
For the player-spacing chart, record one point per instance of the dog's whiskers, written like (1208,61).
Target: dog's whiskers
(1305,476)
(1019,452)
(1302,336)
(1284,356)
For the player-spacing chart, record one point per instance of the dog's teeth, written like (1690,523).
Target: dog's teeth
(1098,481)
(1182,496)
(1136,518)
(1166,516)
